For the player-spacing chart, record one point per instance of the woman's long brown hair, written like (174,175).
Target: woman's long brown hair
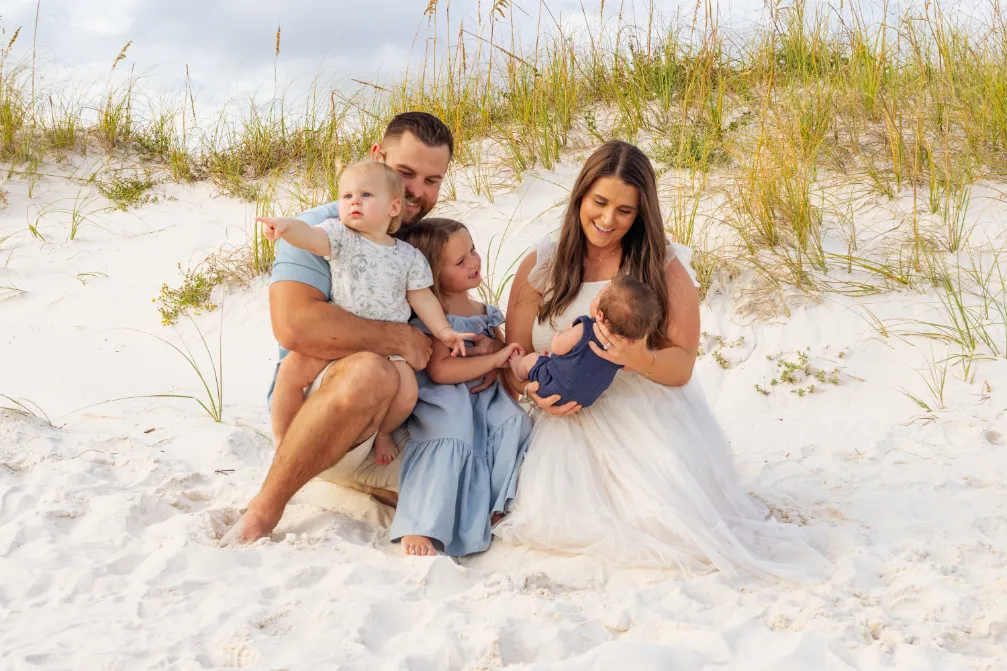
(430,236)
(644,247)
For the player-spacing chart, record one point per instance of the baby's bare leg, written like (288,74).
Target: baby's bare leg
(297,371)
(522,365)
(401,407)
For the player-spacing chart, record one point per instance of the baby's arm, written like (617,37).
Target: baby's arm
(564,341)
(297,233)
(430,312)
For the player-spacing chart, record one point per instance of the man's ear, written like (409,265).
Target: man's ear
(378,152)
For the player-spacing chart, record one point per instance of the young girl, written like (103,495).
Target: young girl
(459,469)
(374,276)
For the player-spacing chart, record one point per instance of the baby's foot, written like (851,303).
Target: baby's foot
(385,449)
(515,365)
(420,546)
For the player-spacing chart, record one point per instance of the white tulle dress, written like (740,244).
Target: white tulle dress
(645,477)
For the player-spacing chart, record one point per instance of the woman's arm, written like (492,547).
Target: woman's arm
(671,366)
(522,311)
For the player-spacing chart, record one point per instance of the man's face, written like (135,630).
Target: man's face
(422,169)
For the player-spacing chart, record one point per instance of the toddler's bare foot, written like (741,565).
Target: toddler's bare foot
(385,449)
(420,546)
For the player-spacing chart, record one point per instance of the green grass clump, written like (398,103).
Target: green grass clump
(129,191)
(193,294)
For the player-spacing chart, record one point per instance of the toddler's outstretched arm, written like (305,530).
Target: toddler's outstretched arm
(296,233)
(430,312)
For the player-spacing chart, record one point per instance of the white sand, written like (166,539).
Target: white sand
(109,519)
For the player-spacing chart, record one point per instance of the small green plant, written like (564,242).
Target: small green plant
(129,191)
(718,355)
(761,390)
(194,294)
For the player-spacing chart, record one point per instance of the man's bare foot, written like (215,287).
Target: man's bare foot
(418,545)
(251,527)
(385,449)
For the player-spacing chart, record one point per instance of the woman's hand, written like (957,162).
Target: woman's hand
(622,351)
(548,405)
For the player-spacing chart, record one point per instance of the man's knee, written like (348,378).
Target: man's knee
(363,375)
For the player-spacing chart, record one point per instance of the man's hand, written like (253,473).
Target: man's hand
(482,345)
(416,348)
(487,382)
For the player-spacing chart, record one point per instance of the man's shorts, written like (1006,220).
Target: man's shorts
(358,465)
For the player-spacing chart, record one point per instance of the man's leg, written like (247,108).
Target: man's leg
(344,412)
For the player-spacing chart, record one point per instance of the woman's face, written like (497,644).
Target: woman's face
(608,211)
(461,267)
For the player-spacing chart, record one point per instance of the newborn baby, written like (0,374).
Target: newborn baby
(572,369)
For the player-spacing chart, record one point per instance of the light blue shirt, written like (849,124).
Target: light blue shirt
(299,265)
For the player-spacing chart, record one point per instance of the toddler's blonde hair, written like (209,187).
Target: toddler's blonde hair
(392,181)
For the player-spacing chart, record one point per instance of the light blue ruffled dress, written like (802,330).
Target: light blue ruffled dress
(461,463)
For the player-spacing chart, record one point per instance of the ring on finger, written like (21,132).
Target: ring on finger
(606,346)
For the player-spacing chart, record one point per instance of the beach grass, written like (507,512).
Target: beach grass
(890,102)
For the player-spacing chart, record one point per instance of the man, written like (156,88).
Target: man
(334,431)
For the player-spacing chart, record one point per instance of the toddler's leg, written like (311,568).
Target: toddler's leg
(521,365)
(297,371)
(398,412)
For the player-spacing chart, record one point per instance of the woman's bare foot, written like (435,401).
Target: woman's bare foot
(418,545)
(252,526)
(385,449)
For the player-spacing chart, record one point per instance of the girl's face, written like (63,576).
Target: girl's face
(608,211)
(461,267)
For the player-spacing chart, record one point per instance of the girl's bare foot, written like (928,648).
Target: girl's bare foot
(418,545)
(385,449)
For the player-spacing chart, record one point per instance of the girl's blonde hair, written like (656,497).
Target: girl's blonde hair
(393,182)
(430,236)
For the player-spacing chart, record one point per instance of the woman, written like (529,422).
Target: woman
(643,477)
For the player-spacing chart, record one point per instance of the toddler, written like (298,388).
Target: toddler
(573,370)
(374,276)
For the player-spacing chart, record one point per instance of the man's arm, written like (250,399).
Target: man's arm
(317,215)
(304,321)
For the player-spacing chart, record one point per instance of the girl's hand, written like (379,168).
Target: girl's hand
(455,340)
(272,227)
(548,405)
(622,351)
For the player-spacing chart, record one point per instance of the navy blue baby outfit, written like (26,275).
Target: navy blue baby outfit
(579,375)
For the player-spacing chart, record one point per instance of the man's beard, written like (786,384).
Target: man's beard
(422,212)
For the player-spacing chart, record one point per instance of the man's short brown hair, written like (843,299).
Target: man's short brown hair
(430,130)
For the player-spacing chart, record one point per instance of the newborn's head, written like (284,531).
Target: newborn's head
(630,308)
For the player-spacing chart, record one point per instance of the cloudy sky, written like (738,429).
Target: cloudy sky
(229,44)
